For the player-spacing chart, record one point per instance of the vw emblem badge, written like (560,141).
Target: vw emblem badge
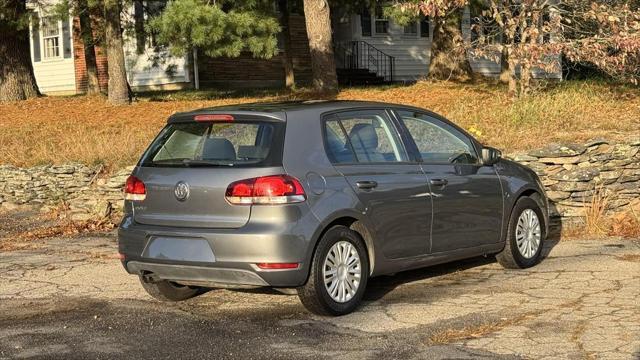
(181,191)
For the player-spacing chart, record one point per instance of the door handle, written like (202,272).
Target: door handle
(366,185)
(438,182)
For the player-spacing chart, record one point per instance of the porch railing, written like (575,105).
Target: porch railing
(362,55)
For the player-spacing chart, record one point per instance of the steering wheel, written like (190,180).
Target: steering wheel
(457,156)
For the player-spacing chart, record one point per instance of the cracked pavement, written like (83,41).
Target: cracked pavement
(70,298)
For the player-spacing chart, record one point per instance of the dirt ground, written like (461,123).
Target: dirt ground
(67,297)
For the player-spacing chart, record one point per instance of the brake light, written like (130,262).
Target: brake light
(134,189)
(213,117)
(266,190)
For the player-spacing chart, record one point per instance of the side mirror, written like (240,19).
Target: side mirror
(490,156)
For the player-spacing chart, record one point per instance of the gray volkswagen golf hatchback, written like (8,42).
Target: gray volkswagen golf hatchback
(320,196)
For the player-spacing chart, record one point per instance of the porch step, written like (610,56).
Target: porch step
(358,77)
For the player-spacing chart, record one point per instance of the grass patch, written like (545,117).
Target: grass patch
(597,220)
(54,130)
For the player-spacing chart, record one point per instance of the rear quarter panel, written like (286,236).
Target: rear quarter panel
(329,196)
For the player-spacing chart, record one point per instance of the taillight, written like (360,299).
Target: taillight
(134,189)
(266,190)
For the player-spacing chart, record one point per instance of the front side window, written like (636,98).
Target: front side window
(437,141)
(51,37)
(364,136)
(212,144)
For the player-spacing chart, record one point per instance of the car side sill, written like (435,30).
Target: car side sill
(397,265)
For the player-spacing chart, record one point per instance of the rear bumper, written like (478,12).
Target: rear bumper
(235,253)
(196,274)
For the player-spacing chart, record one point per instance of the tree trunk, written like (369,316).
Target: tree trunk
(118,87)
(17,81)
(513,77)
(448,56)
(287,60)
(323,65)
(504,65)
(88,41)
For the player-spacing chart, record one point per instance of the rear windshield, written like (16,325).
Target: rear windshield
(217,144)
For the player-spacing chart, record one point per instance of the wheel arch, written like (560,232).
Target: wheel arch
(536,195)
(353,221)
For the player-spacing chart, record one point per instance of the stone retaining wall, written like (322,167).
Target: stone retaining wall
(79,187)
(572,174)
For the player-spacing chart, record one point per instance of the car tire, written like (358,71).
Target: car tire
(164,290)
(524,242)
(343,298)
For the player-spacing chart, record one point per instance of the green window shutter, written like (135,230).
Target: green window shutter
(35,37)
(66,38)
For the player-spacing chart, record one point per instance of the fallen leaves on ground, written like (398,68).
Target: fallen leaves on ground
(54,130)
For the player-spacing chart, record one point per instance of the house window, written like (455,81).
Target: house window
(51,38)
(425,27)
(382,23)
(411,29)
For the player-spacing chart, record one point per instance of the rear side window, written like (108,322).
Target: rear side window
(216,144)
(364,136)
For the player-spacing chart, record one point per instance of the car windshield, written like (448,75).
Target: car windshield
(211,144)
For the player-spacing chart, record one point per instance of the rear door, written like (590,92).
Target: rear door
(467,196)
(189,166)
(365,147)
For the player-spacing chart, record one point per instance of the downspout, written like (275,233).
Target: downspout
(196,76)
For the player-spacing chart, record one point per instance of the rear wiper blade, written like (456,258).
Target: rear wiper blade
(191,162)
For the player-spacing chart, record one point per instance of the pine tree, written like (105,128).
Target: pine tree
(220,28)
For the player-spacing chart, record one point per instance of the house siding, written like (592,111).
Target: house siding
(55,75)
(411,52)
(152,67)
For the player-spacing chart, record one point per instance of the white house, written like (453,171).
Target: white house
(369,49)
(57,54)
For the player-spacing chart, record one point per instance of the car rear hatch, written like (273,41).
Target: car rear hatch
(188,167)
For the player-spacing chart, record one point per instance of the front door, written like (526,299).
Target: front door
(467,196)
(365,147)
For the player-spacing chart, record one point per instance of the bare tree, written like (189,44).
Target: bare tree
(536,32)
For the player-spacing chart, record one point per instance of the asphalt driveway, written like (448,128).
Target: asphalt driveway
(69,298)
